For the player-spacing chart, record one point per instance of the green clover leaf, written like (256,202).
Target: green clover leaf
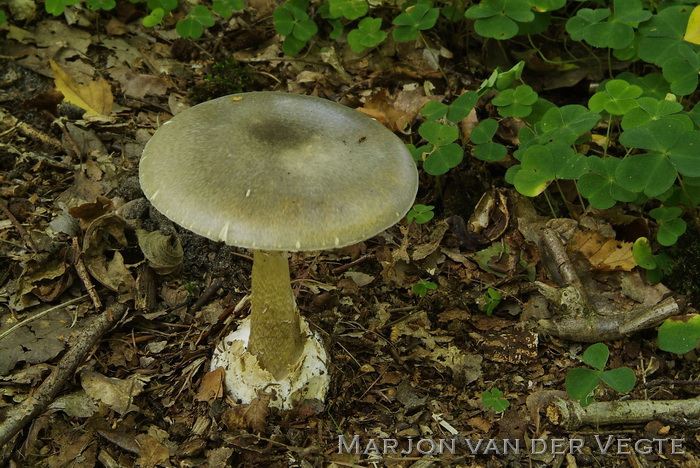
(617,32)
(225,8)
(438,134)
(515,102)
(618,98)
(599,185)
(413,20)
(566,124)
(547,5)
(667,138)
(596,356)
(680,334)
(367,35)
(643,255)
(420,214)
(621,379)
(662,36)
(57,7)
(682,72)
(443,159)
(350,9)
(194,23)
(481,136)
(499,19)
(166,5)
(651,173)
(671,227)
(462,106)
(494,399)
(542,164)
(106,5)
(292,21)
(654,109)
(580,384)
(434,110)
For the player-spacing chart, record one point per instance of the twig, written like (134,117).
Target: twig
(352,264)
(20,229)
(572,415)
(610,327)
(83,275)
(27,130)
(206,296)
(35,404)
(41,314)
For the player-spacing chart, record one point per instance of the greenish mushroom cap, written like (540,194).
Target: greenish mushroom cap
(278,171)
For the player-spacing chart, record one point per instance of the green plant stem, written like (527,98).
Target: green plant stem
(607,138)
(545,59)
(437,60)
(549,202)
(569,206)
(696,216)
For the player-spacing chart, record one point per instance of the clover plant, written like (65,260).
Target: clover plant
(499,19)
(420,214)
(495,400)
(422,287)
(581,382)
(489,301)
(680,334)
(413,20)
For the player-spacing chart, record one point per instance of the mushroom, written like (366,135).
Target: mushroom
(277,172)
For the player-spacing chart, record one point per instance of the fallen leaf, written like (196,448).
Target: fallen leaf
(692,31)
(212,386)
(604,254)
(118,394)
(152,453)
(95,97)
(256,413)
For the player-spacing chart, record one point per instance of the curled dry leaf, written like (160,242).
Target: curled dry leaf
(104,240)
(46,276)
(163,252)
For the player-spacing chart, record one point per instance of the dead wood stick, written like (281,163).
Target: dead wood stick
(596,328)
(83,275)
(35,404)
(20,229)
(554,246)
(572,415)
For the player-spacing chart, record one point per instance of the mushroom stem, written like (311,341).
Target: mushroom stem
(275,332)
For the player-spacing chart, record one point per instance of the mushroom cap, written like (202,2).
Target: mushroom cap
(278,171)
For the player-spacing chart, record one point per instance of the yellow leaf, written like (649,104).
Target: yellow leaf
(692,31)
(95,97)
(604,254)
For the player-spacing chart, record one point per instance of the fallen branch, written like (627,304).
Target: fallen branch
(579,318)
(572,415)
(35,404)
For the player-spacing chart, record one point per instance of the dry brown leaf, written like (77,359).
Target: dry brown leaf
(604,254)
(256,413)
(152,453)
(212,386)
(118,394)
(396,111)
(95,97)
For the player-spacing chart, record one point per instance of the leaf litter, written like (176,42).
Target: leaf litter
(402,366)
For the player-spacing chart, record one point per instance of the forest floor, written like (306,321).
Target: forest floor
(408,370)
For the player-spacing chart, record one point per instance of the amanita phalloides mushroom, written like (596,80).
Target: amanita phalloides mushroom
(277,172)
